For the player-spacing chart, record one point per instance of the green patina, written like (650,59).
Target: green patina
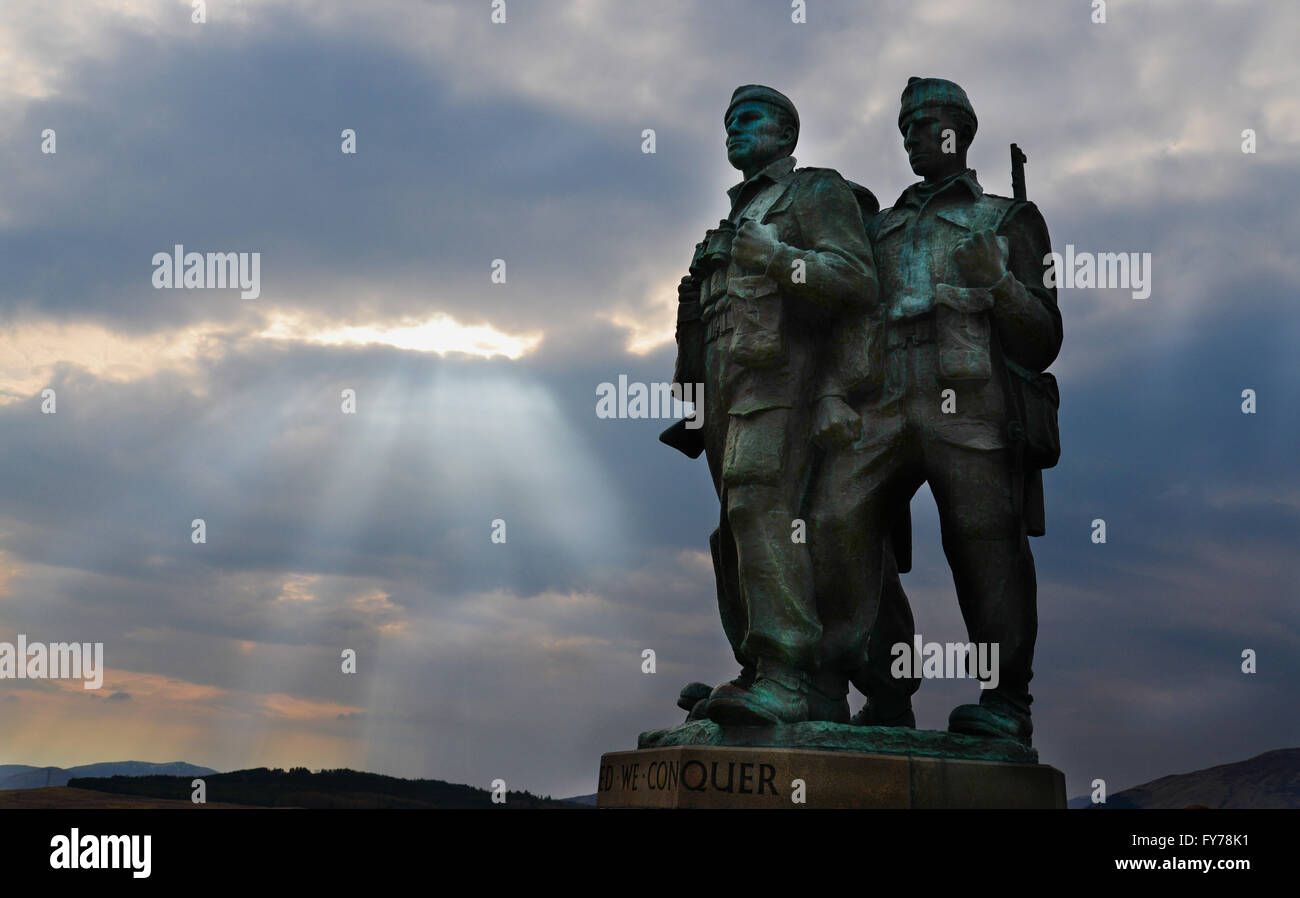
(822,735)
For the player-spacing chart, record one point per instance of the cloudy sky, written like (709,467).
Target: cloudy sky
(476,401)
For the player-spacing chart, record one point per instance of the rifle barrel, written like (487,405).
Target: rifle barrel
(1018,160)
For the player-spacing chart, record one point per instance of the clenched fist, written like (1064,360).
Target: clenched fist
(753,245)
(979,259)
(835,425)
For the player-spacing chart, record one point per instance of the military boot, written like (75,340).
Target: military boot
(779,694)
(694,697)
(873,714)
(828,699)
(999,714)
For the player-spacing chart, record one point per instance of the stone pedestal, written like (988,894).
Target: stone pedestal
(701,765)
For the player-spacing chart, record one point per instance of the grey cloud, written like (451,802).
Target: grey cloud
(467,649)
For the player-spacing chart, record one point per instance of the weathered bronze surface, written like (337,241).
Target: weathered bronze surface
(823,735)
(848,356)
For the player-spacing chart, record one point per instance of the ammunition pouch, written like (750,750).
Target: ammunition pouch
(689,367)
(1038,401)
(697,273)
(758,340)
(962,325)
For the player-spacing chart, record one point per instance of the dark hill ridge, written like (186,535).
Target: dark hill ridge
(23,776)
(300,788)
(1270,780)
(65,799)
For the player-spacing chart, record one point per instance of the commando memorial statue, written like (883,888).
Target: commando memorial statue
(850,354)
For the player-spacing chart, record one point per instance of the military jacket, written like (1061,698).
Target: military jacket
(914,241)
(818,223)
(913,244)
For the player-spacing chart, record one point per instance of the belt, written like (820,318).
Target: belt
(910,331)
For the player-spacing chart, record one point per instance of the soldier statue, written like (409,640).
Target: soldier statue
(947,383)
(765,290)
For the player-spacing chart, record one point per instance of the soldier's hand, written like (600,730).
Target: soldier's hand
(979,259)
(753,245)
(835,425)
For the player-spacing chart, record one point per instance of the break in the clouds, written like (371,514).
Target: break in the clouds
(475,399)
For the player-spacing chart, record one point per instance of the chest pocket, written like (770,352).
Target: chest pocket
(894,221)
(887,242)
(760,205)
(951,227)
(757,309)
(959,216)
(768,204)
(965,219)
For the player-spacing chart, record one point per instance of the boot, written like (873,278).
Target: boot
(872,715)
(779,694)
(828,699)
(694,697)
(999,715)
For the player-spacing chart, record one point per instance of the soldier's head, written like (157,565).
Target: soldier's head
(762,127)
(938,125)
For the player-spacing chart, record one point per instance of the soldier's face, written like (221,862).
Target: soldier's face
(930,151)
(755,136)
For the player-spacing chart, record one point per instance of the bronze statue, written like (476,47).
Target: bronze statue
(764,290)
(845,365)
(948,384)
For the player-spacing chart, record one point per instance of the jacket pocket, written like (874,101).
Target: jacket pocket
(758,341)
(962,330)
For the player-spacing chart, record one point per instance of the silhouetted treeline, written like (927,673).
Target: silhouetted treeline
(300,788)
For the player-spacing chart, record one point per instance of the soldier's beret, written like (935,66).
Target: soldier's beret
(762,94)
(933,92)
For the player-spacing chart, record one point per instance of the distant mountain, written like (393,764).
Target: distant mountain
(300,788)
(584,800)
(23,776)
(1270,780)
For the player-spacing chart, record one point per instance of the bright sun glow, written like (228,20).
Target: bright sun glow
(442,334)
